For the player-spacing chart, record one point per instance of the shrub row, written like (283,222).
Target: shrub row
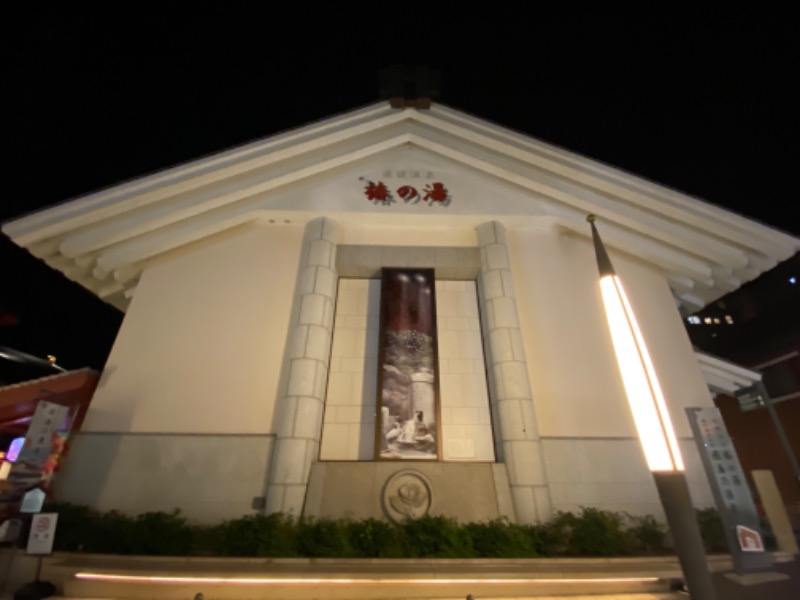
(590,533)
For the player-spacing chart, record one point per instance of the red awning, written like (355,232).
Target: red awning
(18,401)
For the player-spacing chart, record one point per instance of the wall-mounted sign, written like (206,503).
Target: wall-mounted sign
(44,444)
(433,193)
(48,419)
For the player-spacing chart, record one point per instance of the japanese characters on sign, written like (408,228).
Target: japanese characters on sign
(729,485)
(47,419)
(35,461)
(432,193)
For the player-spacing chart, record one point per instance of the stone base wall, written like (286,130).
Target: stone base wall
(611,474)
(467,492)
(210,478)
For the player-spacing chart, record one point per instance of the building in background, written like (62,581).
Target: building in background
(245,375)
(25,382)
(758,326)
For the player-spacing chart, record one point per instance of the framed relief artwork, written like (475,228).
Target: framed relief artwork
(408,418)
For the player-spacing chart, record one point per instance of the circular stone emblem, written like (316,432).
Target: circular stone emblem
(406,495)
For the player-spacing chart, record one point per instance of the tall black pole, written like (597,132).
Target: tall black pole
(673,492)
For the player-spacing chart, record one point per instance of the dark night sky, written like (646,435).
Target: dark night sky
(701,100)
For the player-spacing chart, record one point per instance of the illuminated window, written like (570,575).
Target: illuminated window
(707,321)
(729,319)
(716,321)
(694,320)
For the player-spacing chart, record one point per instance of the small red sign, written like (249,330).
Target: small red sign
(434,193)
(749,539)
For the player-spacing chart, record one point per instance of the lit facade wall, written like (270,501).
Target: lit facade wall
(201,347)
(592,454)
(217,388)
(196,370)
(182,417)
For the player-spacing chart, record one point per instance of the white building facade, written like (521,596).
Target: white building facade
(244,374)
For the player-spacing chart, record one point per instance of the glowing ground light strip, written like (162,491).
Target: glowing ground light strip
(343,581)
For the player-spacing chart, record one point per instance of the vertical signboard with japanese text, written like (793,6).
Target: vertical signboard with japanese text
(44,443)
(729,485)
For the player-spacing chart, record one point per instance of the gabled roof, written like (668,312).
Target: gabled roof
(104,240)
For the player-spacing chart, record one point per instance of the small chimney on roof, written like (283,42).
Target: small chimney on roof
(409,87)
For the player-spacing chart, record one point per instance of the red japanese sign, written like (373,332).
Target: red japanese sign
(432,194)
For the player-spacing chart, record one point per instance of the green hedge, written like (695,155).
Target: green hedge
(591,533)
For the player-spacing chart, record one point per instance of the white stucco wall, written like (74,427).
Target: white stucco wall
(382,234)
(576,390)
(348,428)
(466,416)
(574,376)
(611,474)
(201,350)
(591,450)
(209,477)
(201,346)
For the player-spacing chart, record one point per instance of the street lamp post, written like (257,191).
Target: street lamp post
(653,424)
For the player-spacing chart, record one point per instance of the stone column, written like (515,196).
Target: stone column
(299,410)
(517,440)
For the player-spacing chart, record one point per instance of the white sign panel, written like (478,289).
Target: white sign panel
(749,539)
(48,418)
(43,532)
(729,485)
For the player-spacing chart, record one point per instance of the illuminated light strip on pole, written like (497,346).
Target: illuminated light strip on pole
(642,389)
(654,426)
